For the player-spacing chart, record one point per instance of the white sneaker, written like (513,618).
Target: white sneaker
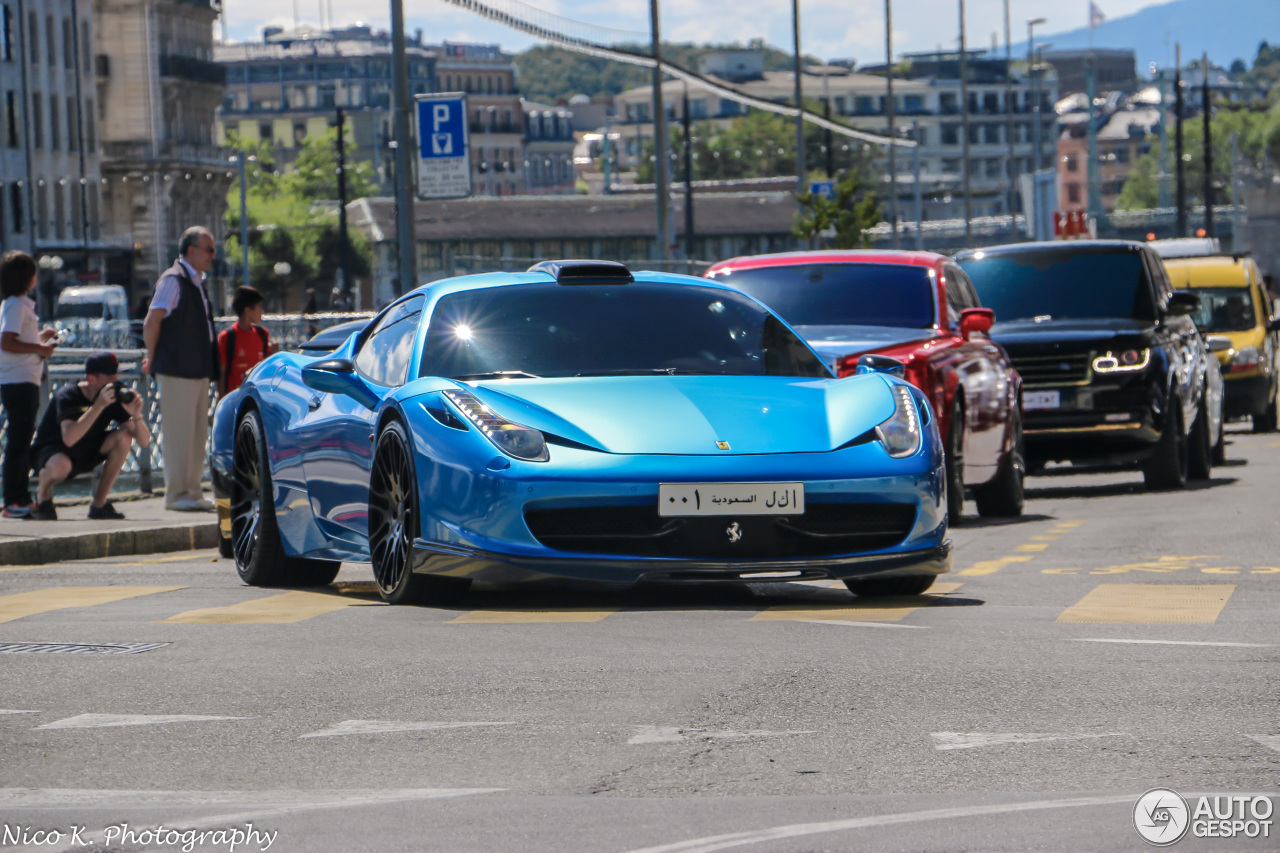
(205,505)
(189,505)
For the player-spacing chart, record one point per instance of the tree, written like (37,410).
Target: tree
(1141,189)
(851,213)
(314,174)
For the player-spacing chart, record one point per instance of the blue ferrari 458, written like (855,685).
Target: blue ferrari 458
(580,421)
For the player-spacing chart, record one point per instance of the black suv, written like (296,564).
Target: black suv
(1113,369)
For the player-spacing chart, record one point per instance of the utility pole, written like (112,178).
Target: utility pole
(1011,168)
(1180,187)
(919,199)
(964,127)
(688,182)
(795,31)
(1208,148)
(344,259)
(1091,171)
(660,162)
(244,222)
(888,76)
(405,241)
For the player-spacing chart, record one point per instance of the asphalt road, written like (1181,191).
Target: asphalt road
(1109,642)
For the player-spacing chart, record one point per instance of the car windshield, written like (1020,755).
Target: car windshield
(1062,283)
(80,310)
(842,294)
(542,330)
(1224,309)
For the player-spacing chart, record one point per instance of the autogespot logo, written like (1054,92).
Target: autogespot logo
(1161,817)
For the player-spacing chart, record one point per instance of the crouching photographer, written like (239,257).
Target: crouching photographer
(88,423)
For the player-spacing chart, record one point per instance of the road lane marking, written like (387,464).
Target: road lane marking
(256,805)
(287,607)
(1169,642)
(6,711)
(990,567)
(60,598)
(1150,604)
(378,727)
(176,558)
(1269,741)
(514,617)
(104,721)
(713,843)
(874,610)
(1046,538)
(1035,546)
(677,734)
(973,740)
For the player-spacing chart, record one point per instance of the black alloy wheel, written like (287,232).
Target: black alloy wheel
(393,526)
(1167,467)
(255,539)
(1004,496)
(883,587)
(1200,445)
(1268,420)
(953,463)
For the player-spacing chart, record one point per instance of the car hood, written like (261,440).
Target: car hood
(1071,332)
(834,342)
(688,415)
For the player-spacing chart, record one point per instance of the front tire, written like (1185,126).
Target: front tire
(393,525)
(1270,417)
(953,463)
(1200,449)
(884,587)
(1167,467)
(1003,496)
(255,539)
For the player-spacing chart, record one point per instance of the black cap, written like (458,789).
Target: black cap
(102,362)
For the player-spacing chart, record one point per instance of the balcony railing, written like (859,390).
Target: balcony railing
(143,153)
(190,68)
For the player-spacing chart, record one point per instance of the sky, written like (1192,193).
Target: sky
(831,29)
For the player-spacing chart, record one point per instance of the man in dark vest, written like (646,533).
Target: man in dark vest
(181,353)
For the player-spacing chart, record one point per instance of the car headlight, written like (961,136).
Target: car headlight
(1127,361)
(901,434)
(522,442)
(1246,358)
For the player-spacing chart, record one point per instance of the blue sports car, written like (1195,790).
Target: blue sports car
(579,421)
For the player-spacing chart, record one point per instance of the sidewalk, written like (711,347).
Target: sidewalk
(148,529)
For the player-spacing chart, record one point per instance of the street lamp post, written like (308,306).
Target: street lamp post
(244,218)
(964,129)
(1034,213)
(893,163)
(659,140)
(795,32)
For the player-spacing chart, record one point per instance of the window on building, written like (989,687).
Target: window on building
(913,103)
(77,219)
(922,136)
(90,128)
(37,121)
(15,207)
(950,134)
(974,134)
(85,47)
(68,52)
(50,42)
(1122,153)
(698,108)
(991,133)
(42,211)
(11,118)
(33,36)
(264,131)
(6,33)
(1073,193)
(992,168)
(948,103)
(72,125)
(95,226)
(54,137)
(1073,163)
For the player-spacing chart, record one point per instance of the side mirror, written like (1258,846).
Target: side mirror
(1184,303)
(976,320)
(1217,343)
(880,364)
(338,376)
(1274,325)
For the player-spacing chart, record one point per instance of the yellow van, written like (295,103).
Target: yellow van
(1237,319)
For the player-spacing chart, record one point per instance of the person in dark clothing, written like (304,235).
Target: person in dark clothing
(78,433)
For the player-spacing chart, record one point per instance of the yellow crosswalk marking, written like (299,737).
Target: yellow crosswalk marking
(502,617)
(875,610)
(295,606)
(990,567)
(1037,546)
(1151,604)
(60,598)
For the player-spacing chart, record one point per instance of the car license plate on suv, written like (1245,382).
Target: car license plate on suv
(730,499)
(1041,400)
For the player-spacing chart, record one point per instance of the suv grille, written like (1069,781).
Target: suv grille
(1061,369)
(825,529)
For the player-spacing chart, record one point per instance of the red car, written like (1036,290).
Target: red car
(921,309)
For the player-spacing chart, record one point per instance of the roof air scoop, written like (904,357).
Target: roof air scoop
(585,272)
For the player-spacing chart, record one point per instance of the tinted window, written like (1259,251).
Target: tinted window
(1224,309)
(641,328)
(1060,283)
(386,354)
(842,294)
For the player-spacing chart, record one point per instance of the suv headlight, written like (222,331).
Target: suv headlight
(901,434)
(522,442)
(1126,361)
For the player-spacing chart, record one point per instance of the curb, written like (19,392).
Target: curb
(109,543)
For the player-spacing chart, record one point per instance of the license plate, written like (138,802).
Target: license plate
(1041,399)
(730,499)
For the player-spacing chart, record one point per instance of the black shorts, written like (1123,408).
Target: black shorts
(82,462)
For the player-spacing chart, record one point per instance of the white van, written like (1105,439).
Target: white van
(92,302)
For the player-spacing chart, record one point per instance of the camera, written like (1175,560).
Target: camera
(124,394)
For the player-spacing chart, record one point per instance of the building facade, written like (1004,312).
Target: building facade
(158,90)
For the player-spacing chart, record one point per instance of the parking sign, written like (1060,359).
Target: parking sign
(444,161)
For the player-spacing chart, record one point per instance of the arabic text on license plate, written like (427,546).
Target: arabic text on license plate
(1041,399)
(730,499)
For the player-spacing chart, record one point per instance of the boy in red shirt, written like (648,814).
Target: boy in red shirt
(244,344)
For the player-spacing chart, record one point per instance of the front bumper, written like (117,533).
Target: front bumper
(454,561)
(1100,423)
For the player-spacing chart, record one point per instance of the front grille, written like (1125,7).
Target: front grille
(825,529)
(1061,369)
